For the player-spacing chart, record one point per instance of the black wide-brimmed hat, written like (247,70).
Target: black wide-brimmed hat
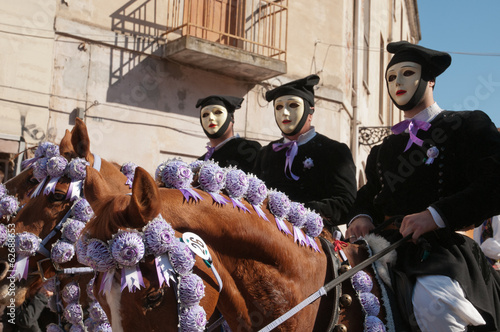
(434,62)
(229,102)
(303,88)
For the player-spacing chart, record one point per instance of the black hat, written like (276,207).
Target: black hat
(229,102)
(303,88)
(432,61)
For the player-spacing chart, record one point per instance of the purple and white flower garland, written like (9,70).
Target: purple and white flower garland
(212,179)
(128,169)
(178,175)
(236,185)
(173,259)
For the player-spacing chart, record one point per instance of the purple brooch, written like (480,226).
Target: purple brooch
(8,205)
(71,292)
(193,319)
(191,289)
(212,180)
(77,169)
(27,244)
(256,194)
(432,153)
(308,163)
(97,313)
(236,186)
(127,248)
(177,174)
(62,252)
(72,229)
(159,236)
(297,216)
(56,166)
(279,204)
(82,210)
(128,169)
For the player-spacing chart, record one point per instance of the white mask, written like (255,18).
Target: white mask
(288,111)
(403,79)
(213,117)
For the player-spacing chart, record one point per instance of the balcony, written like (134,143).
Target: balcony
(245,39)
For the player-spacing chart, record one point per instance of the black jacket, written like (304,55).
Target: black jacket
(238,152)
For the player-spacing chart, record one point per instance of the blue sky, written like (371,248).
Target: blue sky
(471,27)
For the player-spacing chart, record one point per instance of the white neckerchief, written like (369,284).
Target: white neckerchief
(223,142)
(427,114)
(304,138)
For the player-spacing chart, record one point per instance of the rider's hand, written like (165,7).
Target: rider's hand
(359,227)
(418,224)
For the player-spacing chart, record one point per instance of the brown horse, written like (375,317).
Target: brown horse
(264,272)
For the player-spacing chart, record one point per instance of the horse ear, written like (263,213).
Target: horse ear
(145,204)
(80,139)
(66,147)
(95,186)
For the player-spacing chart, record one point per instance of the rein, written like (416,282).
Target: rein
(332,284)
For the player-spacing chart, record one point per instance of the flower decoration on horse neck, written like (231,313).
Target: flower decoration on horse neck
(363,284)
(313,227)
(236,186)
(297,216)
(71,293)
(56,167)
(8,204)
(256,194)
(26,244)
(77,171)
(40,152)
(177,174)
(279,204)
(127,248)
(212,180)
(128,169)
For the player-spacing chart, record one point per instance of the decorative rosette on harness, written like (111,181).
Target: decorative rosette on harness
(128,169)
(177,174)
(26,244)
(77,171)
(56,168)
(8,204)
(212,179)
(40,152)
(297,216)
(279,204)
(236,187)
(313,227)
(256,194)
(363,284)
(127,248)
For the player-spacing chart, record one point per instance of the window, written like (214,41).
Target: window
(366,41)
(382,95)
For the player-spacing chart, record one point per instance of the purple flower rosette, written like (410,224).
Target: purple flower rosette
(279,205)
(54,328)
(196,165)
(40,169)
(81,250)
(128,169)
(193,319)
(181,257)
(74,313)
(212,180)
(3,190)
(82,210)
(71,293)
(39,153)
(103,327)
(97,313)
(62,251)
(77,328)
(56,168)
(177,174)
(236,186)
(4,235)
(127,248)
(370,303)
(313,227)
(159,236)
(374,324)
(77,171)
(90,289)
(191,289)
(362,282)
(99,256)
(50,284)
(297,217)
(8,205)
(90,324)
(72,229)
(27,244)
(256,194)
(52,150)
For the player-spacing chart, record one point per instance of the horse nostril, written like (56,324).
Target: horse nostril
(4,268)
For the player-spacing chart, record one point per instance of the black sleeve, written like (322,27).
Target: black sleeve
(28,313)
(341,183)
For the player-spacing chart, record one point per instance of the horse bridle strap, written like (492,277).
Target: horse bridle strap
(332,284)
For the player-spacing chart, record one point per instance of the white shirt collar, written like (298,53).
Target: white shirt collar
(304,138)
(427,114)
(223,142)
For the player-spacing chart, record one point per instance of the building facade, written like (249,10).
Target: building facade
(133,71)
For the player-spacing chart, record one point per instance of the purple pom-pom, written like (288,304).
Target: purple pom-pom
(52,150)
(27,244)
(77,169)
(90,289)
(297,214)
(177,174)
(82,210)
(99,256)
(103,327)
(128,169)
(196,165)
(90,324)
(72,229)
(159,171)
(40,169)
(314,224)
(77,328)
(211,178)
(257,191)
(4,235)
(54,328)
(370,303)
(236,183)
(71,292)
(279,204)
(56,166)
(81,250)
(127,248)
(74,313)
(41,150)
(62,252)
(191,289)
(97,313)
(3,190)
(159,236)
(8,205)
(181,257)
(193,319)
(361,282)
(374,324)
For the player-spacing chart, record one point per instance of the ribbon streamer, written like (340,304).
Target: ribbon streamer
(282,226)
(190,193)
(28,162)
(75,189)
(51,186)
(312,243)
(39,188)
(413,126)
(210,152)
(293,148)
(164,270)
(218,198)
(20,270)
(238,204)
(132,278)
(107,281)
(260,213)
(298,235)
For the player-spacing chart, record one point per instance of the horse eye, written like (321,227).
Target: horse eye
(32,180)
(57,197)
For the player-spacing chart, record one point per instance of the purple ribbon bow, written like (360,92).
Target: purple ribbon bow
(413,126)
(210,152)
(293,148)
